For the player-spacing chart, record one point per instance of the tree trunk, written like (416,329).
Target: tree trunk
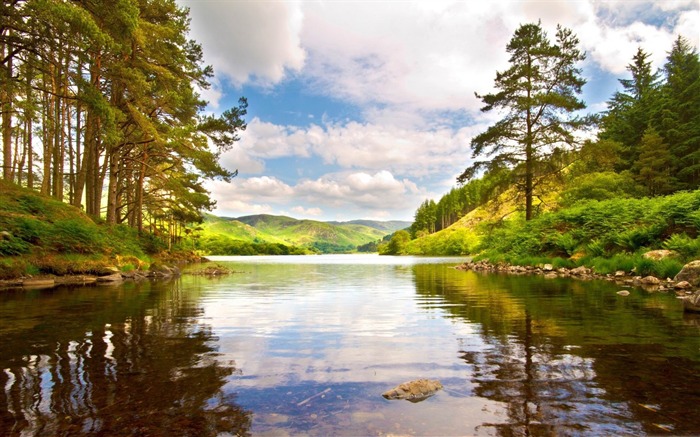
(113,158)
(6,98)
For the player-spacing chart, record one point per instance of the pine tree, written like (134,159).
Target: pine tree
(539,95)
(679,120)
(631,111)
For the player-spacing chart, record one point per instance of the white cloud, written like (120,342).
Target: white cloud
(246,41)
(300,211)
(377,194)
(403,151)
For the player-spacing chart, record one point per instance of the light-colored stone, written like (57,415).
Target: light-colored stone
(660,254)
(38,283)
(414,391)
(692,303)
(682,285)
(690,273)
(650,280)
(117,277)
(623,293)
(581,271)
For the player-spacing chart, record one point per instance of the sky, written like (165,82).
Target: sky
(364,109)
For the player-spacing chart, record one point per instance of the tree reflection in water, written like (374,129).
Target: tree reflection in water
(568,357)
(137,362)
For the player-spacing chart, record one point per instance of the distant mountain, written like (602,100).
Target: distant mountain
(327,237)
(390,226)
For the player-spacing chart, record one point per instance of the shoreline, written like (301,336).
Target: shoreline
(621,278)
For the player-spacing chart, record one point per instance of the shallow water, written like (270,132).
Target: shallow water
(306,345)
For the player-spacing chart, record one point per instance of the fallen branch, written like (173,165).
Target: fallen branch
(313,397)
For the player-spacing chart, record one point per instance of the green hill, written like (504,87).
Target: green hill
(40,235)
(243,233)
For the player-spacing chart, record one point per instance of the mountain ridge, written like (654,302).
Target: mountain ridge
(314,235)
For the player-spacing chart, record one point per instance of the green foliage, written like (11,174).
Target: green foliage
(447,242)
(77,236)
(397,243)
(599,186)
(684,245)
(223,245)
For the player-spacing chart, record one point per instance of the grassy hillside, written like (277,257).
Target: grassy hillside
(309,235)
(605,234)
(387,226)
(43,235)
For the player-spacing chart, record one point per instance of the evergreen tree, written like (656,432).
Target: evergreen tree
(679,120)
(653,168)
(539,94)
(632,110)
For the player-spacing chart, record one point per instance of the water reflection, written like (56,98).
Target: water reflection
(565,359)
(130,360)
(308,348)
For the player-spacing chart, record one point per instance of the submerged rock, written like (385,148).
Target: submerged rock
(414,391)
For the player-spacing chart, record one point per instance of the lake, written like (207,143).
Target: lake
(307,345)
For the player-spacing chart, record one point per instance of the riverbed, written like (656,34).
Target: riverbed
(306,345)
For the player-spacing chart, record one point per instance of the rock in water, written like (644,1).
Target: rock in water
(414,391)
(690,273)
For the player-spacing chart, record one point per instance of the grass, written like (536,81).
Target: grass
(44,236)
(608,235)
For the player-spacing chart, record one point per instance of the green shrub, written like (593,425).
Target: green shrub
(684,245)
(14,246)
(667,268)
(595,248)
(77,236)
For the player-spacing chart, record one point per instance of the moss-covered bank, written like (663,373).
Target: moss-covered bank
(41,237)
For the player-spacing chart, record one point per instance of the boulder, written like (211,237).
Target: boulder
(690,273)
(414,391)
(623,293)
(650,280)
(692,303)
(682,285)
(620,274)
(548,267)
(107,271)
(117,277)
(581,271)
(660,254)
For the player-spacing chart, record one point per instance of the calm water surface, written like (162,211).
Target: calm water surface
(306,345)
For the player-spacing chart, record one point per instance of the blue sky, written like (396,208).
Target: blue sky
(363,109)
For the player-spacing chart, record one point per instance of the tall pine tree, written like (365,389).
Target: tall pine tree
(538,94)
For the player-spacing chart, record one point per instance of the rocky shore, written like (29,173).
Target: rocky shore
(108,275)
(686,284)
(165,268)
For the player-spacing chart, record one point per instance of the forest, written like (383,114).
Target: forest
(581,188)
(647,144)
(101,109)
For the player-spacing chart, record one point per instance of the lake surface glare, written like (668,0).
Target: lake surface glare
(306,346)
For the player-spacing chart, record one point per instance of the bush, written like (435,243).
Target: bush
(687,247)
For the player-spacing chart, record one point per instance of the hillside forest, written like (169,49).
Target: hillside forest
(100,108)
(558,183)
